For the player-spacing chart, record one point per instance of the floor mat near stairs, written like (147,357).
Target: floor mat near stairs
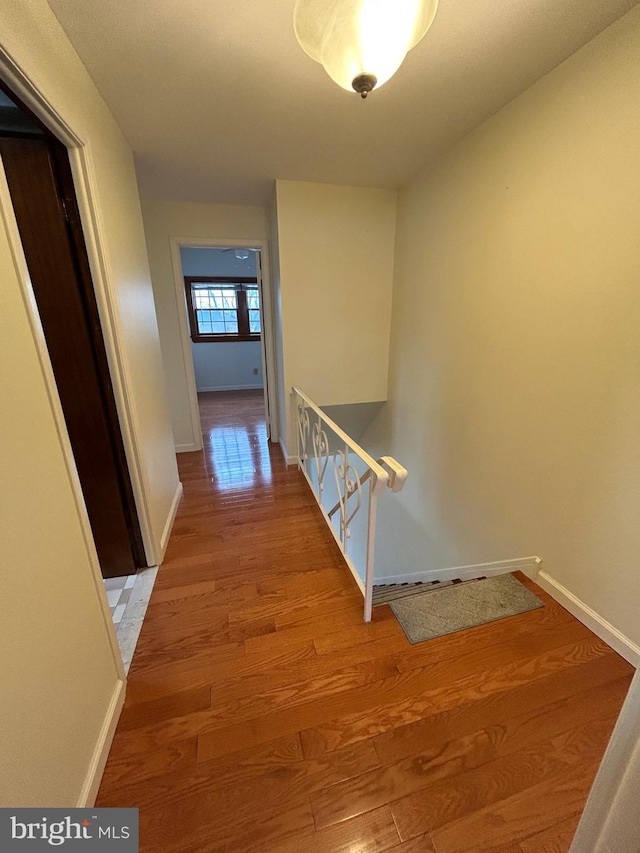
(424,616)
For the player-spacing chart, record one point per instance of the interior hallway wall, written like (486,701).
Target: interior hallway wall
(334,285)
(62,685)
(515,356)
(58,673)
(164,221)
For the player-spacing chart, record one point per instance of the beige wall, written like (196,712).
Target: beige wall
(164,221)
(58,669)
(31,36)
(515,344)
(59,676)
(336,274)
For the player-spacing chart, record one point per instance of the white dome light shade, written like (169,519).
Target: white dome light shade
(356,38)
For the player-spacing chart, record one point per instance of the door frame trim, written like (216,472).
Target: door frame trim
(270,375)
(86,195)
(8,221)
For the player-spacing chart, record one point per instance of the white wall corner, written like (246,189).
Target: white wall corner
(529,565)
(596,623)
(166,533)
(98,761)
(186,448)
(289,460)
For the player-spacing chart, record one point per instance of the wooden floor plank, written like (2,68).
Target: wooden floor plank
(177,704)
(422,844)
(556,839)
(374,832)
(162,784)
(211,668)
(203,825)
(573,688)
(379,710)
(262,713)
(446,759)
(130,764)
(551,801)
(459,801)
(394,781)
(275,773)
(227,707)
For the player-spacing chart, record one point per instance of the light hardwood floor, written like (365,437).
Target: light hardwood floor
(263,715)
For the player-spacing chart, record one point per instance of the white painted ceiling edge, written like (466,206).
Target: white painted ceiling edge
(217,98)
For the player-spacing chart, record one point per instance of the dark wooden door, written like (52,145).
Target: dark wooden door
(41,187)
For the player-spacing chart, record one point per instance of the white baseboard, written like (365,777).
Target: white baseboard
(93,778)
(603,629)
(290,460)
(186,448)
(528,565)
(166,533)
(259,387)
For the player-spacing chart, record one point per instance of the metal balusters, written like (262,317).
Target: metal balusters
(346,497)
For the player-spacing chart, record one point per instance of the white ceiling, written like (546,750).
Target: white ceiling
(217,99)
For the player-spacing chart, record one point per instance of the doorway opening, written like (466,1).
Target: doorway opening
(227,325)
(40,182)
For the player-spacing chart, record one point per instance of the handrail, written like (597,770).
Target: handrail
(315,451)
(398,475)
(395,482)
(381,475)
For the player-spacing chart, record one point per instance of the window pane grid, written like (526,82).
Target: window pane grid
(217,322)
(254,322)
(225,310)
(253,306)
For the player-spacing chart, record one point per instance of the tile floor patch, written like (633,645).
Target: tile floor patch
(128,597)
(118,613)
(113,597)
(118,593)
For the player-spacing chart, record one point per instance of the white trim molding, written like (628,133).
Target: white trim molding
(98,761)
(596,623)
(166,533)
(259,387)
(186,448)
(529,565)
(102,279)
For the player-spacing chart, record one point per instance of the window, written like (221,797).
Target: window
(223,309)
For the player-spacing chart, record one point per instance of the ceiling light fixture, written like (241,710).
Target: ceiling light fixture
(361,43)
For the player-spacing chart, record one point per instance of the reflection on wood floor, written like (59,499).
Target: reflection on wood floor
(263,715)
(234,433)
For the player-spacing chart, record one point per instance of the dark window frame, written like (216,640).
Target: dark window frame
(242,309)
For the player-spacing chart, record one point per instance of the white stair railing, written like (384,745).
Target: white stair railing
(338,471)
